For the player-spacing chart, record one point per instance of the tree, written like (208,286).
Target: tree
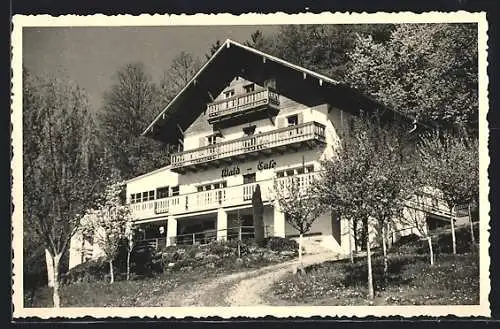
(61,169)
(129,107)
(258,216)
(428,71)
(364,180)
(109,224)
(415,217)
(452,166)
(321,48)
(183,67)
(300,207)
(213,49)
(260,42)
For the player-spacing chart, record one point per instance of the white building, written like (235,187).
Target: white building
(245,119)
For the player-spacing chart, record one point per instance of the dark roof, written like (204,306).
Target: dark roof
(234,59)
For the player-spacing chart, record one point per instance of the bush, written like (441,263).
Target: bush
(281,244)
(90,271)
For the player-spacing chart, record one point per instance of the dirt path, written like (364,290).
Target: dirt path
(238,289)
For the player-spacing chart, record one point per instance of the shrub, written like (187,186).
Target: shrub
(90,271)
(281,244)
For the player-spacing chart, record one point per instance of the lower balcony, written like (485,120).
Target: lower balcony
(307,134)
(213,199)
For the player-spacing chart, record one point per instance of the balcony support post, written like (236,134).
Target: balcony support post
(279,221)
(171,230)
(221,224)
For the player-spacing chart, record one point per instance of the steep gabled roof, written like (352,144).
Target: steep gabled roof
(234,59)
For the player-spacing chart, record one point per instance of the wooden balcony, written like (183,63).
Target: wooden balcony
(264,101)
(279,140)
(213,199)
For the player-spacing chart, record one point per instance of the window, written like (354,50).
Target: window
(293,120)
(175,190)
(212,186)
(162,192)
(212,140)
(146,196)
(229,93)
(310,168)
(249,88)
(135,197)
(249,178)
(250,130)
(300,170)
(280,174)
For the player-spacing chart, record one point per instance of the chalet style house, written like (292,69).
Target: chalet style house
(245,119)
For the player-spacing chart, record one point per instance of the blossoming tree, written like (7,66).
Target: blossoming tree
(110,224)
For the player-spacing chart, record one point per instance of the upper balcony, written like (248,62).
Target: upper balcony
(279,140)
(259,102)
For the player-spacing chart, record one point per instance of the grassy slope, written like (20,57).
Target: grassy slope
(411,281)
(148,292)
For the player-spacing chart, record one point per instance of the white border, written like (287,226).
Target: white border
(247,19)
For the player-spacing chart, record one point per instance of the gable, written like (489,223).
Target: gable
(232,60)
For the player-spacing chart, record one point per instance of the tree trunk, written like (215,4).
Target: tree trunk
(473,239)
(431,252)
(355,234)
(128,263)
(351,251)
(384,248)
(111,273)
(55,291)
(371,293)
(453,238)
(300,252)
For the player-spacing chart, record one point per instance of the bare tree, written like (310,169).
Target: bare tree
(61,168)
(300,206)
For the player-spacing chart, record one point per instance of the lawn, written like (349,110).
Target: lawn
(453,280)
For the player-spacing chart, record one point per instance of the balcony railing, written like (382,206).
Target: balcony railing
(242,103)
(213,199)
(305,132)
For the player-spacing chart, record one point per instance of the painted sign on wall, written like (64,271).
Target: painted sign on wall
(235,170)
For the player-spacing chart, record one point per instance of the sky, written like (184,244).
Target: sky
(90,56)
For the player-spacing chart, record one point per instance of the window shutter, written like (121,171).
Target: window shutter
(281,122)
(300,118)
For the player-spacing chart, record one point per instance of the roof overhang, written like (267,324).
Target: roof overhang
(234,59)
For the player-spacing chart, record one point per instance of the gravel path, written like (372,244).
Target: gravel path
(238,289)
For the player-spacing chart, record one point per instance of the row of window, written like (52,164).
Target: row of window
(291,120)
(212,186)
(164,192)
(295,171)
(161,192)
(248,89)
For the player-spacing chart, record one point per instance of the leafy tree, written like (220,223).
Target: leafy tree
(428,71)
(258,215)
(61,166)
(129,107)
(321,48)
(300,207)
(109,224)
(452,166)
